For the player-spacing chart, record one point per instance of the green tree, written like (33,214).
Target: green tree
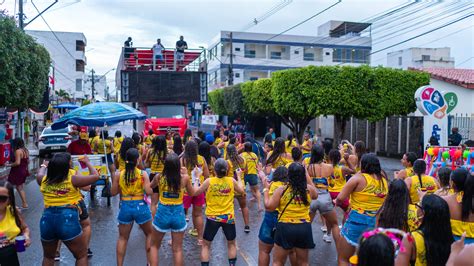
(233,101)
(25,66)
(257,97)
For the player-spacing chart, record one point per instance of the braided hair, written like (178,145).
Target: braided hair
(130,165)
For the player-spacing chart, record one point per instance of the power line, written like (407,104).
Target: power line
(389,12)
(271,12)
(306,20)
(465,61)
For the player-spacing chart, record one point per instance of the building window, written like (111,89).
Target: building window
(80,46)
(297,52)
(275,55)
(313,54)
(237,49)
(237,75)
(80,65)
(308,57)
(78,84)
(425,57)
(360,56)
(253,78)
(250,53)
(400,61)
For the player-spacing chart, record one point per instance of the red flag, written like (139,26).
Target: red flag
(51,80)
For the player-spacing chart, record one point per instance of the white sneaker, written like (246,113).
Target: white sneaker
(324,229)
(327,238)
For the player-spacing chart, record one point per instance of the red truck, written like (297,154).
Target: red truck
(164,117)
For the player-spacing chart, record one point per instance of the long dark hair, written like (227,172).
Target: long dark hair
(92,133)
(297,182)
(464,182)
(360,150)
(296,154)
(436,228)
(280,174)
(370,164)
(58,168)
(443,176)
(11,198)
(191,154)
(394,211)
(187,134)
(18,143)
(278,150)
(216,134)
(290,138)
(419,168)
(376,250)
(177,144)
(411,157)
(317,154)
(130,165)
(127,143)
(171,172)
(234,157)
(159,148)
(205,151)
(335,157)
(268,138)
(136,138)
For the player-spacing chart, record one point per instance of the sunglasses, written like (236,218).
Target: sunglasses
(3,198)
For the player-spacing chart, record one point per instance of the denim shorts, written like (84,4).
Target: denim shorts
(252,179)
(268,223)
(60,223)
(467,240)
(134,210)
(170,218)
(355,225)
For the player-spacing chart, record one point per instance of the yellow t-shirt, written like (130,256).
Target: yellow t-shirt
(200,162)
(273,187)
(371,197)
(420,249)
(157,164)
(121,162)
(252,160)
(64,193)
(306,145)
(280,161)
(167,195)
(220,196)
(296,212)
(92,142)
(458,227)
(8,227)
(429,185)
(135,187)
(413,220)
(117,144)
(217,141)
(337,180)
(232,168)
(292,145)
(149,139)
(100,146)
(409,171)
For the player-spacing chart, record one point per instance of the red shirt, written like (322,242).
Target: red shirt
(79,147)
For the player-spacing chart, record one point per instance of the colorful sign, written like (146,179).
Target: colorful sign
(435,106)
(96,161)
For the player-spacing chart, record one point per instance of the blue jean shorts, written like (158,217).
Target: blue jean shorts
(134,210)
(467,240)
(269,222)
(170,218)
(355,225)
(60,223)
(252,179)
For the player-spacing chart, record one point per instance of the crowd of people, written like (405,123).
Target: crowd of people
(413,218)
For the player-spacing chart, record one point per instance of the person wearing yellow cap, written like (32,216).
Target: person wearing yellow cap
(80,146)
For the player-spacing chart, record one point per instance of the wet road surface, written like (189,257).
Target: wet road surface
(105,234)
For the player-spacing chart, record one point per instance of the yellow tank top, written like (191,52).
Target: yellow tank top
(8,228)
(100,146)
(409,171)
(230,173)
(273,187)
(251,160)
(296,212)
(413,220)
(92,142)
(337,180)
(217,141)
(306,145)
(429,185)
(168,196)
(420,248)
(458,227)
(156,163)
(149,139)
(135,188)
(200,162)
(60,194)
(280,161)
(220,196)
(121,162)
(292,145)
(371,197)
(117,144)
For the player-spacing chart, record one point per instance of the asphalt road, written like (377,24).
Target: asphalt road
(105,234)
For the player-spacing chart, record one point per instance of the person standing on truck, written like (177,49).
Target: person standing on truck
(127,49)
(157,53)
(180,46)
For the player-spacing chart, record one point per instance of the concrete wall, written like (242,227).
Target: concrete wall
(413,57)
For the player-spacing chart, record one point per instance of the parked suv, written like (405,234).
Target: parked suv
(51,141)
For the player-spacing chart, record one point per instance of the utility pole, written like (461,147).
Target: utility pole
(93,84)
(231,61)
(21,15)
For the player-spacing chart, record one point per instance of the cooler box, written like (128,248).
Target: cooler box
(4,153)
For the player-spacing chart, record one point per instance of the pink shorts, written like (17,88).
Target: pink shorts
(345,204)
(198,201)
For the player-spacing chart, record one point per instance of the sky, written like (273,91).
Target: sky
(107,23)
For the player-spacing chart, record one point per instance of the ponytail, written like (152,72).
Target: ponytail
(130,165)
(419,167)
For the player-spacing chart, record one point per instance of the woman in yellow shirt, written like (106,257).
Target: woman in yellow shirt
(219,209)
(367,191)
(172,181)
(12,225)
(118,141)
(420,181)
(60,188)
(306,146)
(461,205)
(105,146)
(293,229)
(407,160)
(431,243)
(132,184)
(155,160)
(277,157)
(119,162)
(290,143)
(251,177)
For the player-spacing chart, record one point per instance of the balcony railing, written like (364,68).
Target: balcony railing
(143,59)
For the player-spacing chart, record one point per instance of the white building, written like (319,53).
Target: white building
(100,86)
(256,55)
(68,59)
(421,58)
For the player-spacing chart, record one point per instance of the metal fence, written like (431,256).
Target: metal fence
(465,124)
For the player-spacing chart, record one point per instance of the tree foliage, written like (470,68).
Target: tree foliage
(24,66)
(299,95)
